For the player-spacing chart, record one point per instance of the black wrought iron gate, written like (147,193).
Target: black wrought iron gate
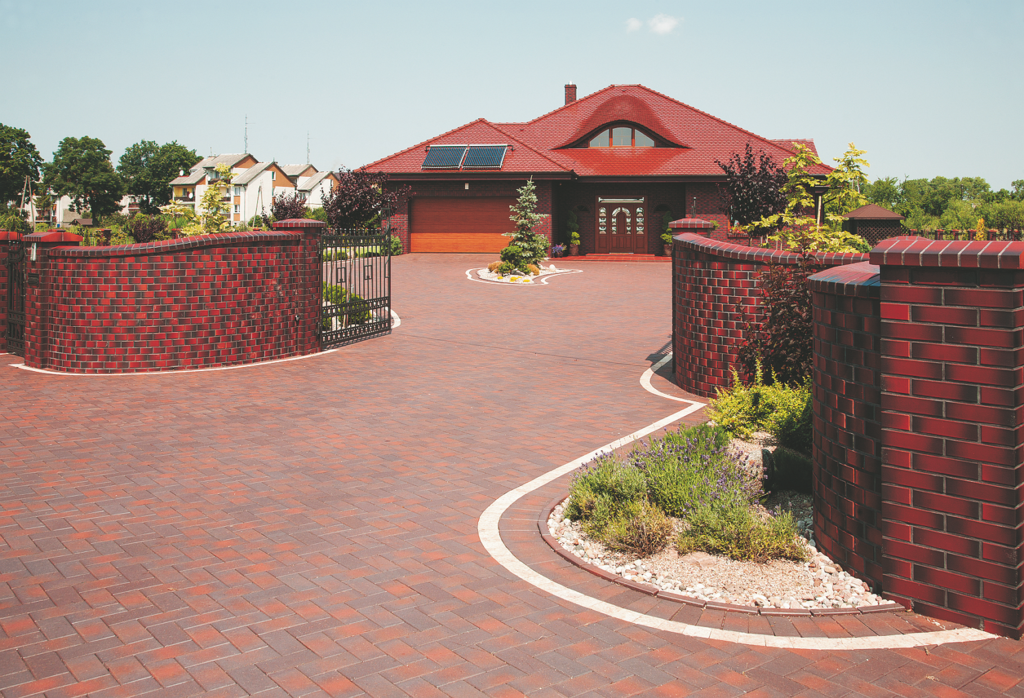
(16,291)
(356,285)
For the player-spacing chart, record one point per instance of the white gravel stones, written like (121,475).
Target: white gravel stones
(518,278)
(818,583)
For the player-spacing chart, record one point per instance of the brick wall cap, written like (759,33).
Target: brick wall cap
(691,224)
(9,235)
(761,255)
(293,223)
(52,236)
(917,252)
(185,243)
(858,280)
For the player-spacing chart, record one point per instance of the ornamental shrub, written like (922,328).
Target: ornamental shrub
(692,469)
(603,491)
(145,228)
(737,532)
(783,411)
(358,311)
(640,528)
(783,342)
(396,246)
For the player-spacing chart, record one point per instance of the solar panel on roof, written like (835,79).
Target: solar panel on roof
(484,157)
(444,157)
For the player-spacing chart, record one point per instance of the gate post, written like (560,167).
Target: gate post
(309,269)
(5,285)
(37,297)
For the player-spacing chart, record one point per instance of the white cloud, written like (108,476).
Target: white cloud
(633,24)
(661,24)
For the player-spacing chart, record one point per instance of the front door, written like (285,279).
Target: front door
(621,225)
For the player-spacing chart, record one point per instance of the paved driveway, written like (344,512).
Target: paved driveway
(310,527)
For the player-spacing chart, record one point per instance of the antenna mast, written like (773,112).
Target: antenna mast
(246,148)
(307,147)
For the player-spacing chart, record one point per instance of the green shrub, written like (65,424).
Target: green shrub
(783,411)
(603,491)
(396,246)
(358,311)
(335,255)
(505,268)
(692,469)
(736,532)
(640,528)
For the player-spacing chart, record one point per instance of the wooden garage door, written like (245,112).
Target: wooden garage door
(460,225)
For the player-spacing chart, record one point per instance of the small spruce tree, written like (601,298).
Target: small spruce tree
(526,247)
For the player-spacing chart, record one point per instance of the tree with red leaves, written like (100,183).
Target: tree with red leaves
(361,199)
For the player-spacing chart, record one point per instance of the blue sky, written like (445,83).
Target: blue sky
(927,88)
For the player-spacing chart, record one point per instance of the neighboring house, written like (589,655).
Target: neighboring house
(253,186)
(620,158)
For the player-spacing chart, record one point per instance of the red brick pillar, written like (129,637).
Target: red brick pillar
(311,274)
(952,429)
(37,298)
(847,433)
(5,235)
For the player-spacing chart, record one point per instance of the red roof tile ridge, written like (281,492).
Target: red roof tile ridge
(426,142)
(529,147)
(722,121)
(564,106)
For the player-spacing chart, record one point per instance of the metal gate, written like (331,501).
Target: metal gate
(16,290)
(355,284)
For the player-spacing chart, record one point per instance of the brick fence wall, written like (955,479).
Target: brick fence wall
(196,302)
(918,399)
(4,285)
(715,297)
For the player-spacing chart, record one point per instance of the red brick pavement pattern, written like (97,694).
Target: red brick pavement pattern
(309,528)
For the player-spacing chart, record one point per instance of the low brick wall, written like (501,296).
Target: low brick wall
(715,296)
(918,404)
(196,302)
(847,433)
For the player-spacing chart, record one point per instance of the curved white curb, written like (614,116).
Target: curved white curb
(541,281)
(490,536)
(395,323)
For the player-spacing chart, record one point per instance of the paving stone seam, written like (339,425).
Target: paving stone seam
(490,537)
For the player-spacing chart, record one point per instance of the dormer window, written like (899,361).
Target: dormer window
(621,137)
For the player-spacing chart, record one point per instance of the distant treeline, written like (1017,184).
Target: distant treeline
(958,203)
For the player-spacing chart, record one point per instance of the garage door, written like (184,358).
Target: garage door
(459,225)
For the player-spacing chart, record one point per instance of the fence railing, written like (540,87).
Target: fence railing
(355,285)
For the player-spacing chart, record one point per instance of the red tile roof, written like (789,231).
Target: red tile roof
(873,212)
(540,145)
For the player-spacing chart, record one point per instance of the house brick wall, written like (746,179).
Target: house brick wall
(716,295)
(198,302)
(477,188)
(847,410)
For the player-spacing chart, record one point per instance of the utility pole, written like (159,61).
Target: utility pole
(307,147)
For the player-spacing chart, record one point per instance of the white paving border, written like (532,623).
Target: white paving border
(396,322)
(490,536)
(541,281)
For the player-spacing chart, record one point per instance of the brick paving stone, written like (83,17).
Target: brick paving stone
(310,527)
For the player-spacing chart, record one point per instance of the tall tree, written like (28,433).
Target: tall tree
(81,169)
(147,170)
(18,159)
(753,186)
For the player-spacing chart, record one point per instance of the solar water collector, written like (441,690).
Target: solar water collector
(484,157)
(444,157)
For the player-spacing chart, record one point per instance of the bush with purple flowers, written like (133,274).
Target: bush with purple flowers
(689,475)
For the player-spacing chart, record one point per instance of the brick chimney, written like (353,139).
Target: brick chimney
(570,93)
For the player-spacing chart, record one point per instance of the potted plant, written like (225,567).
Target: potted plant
(558,250)
(572,226)
(666,232)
